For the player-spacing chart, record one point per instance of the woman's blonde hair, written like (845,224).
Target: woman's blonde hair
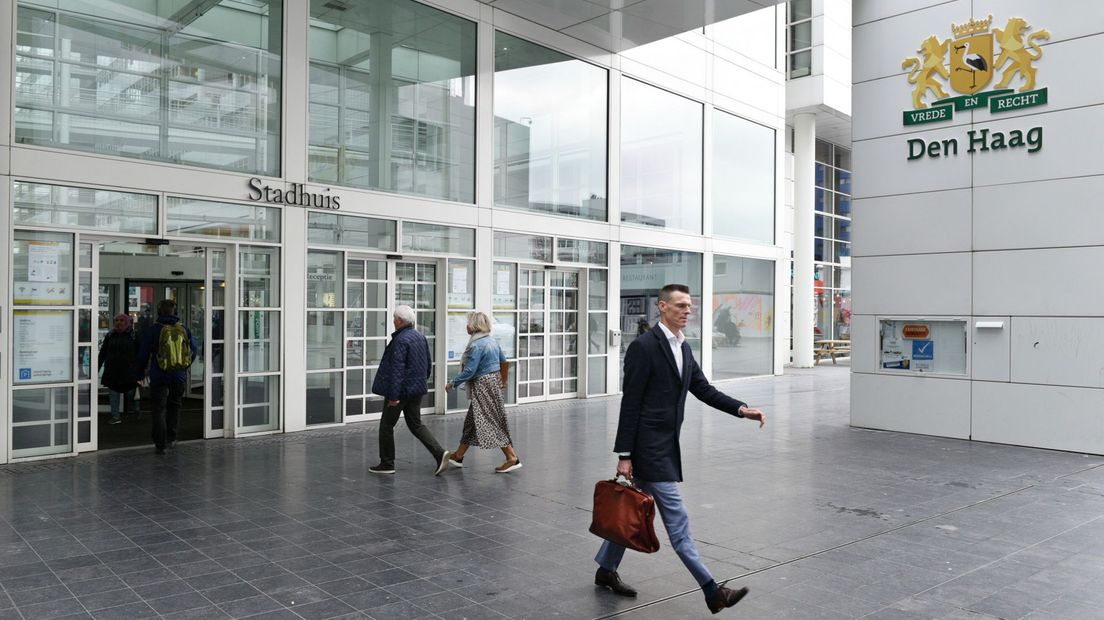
(478,323)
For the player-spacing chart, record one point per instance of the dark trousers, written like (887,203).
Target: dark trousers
(166,412)
(411,410)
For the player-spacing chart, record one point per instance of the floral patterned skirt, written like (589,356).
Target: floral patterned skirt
(485,425)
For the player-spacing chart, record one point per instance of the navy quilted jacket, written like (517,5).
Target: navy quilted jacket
(405,366)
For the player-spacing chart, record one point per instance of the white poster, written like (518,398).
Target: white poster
(42,294)
(460,279)
(503,294)
(42,261)
(43,346)
(457,330)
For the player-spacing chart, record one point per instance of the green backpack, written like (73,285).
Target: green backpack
(174,351)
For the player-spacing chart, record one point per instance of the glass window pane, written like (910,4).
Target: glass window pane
(644,271)
(190,218)
(198,87)
(596,332)
(38,204)
(42,350)
(503,295)
(549,131)
(259,333)
(323,274)
(258,403)
(40,421)
(461,284)
(504,331)
(743,317)
(743,179)
(801,36)
(324,398)
(801,64)
(522,246)
(392,98)
(346,230)
(596,375)
(598,289)
(418,237)
(800,9)
(260,276)
(579,251)
(42,266)
(324,340)
(661,158)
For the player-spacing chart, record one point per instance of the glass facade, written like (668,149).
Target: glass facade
(153,81)
(392,98)
(549,131)
(832,242)
(799,38)
(291,303)
(661,158)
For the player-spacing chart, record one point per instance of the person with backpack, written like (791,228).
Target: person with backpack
(168,349)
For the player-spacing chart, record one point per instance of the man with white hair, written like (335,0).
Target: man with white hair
(401,381)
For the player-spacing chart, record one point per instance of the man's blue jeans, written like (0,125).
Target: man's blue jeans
(675,519)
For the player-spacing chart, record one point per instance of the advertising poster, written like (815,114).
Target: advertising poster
(43,351)
(923,355)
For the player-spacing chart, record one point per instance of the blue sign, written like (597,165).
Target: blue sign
(24,374)
(923,350)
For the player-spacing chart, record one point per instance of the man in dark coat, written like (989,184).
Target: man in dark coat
(659,370)
(401,381)
(166,386)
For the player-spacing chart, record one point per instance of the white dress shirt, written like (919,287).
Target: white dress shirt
(675,340)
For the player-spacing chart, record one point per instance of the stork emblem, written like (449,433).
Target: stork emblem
(972,63)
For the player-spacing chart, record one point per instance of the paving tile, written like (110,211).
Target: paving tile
(52,609)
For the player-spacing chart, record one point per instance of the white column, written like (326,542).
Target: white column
(803,305)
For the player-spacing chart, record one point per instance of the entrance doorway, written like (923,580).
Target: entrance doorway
(548,334)
(132,278)
(373,287)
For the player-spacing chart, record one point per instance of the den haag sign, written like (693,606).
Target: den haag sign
(974,62)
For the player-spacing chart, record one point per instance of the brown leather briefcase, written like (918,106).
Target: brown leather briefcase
(623,514)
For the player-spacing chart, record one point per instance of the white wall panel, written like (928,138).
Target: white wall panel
(923,405)
(889,171)
(989,359)
(1058,351)
(880,46)
(864,11)
(864,343)
(911,224)
(915,285)
(1059,418)
(1066,19)
(1058,282)
(1069,137)
(1042,214)
(740,83)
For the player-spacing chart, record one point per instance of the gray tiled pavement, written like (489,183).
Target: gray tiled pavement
(820,520)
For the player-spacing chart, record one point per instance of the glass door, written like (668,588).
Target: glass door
(367,325)
(548,334)
(373,287)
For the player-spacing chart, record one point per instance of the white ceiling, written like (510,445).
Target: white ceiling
(617,25)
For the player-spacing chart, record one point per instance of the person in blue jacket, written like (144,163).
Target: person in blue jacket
(401,381)
(483,367)
(166,386)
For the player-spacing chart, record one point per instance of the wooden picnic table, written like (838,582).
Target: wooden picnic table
(830,348)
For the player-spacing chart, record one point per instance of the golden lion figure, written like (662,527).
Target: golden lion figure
(1011,40)
(923,73)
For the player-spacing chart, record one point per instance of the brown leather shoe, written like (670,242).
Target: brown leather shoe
(610,580)
(724,598)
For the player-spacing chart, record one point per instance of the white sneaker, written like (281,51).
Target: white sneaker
(443,464)
(456,463)
(503,469)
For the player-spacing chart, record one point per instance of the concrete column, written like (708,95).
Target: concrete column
(804,174)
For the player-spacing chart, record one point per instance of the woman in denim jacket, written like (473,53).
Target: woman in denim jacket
(484,368)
